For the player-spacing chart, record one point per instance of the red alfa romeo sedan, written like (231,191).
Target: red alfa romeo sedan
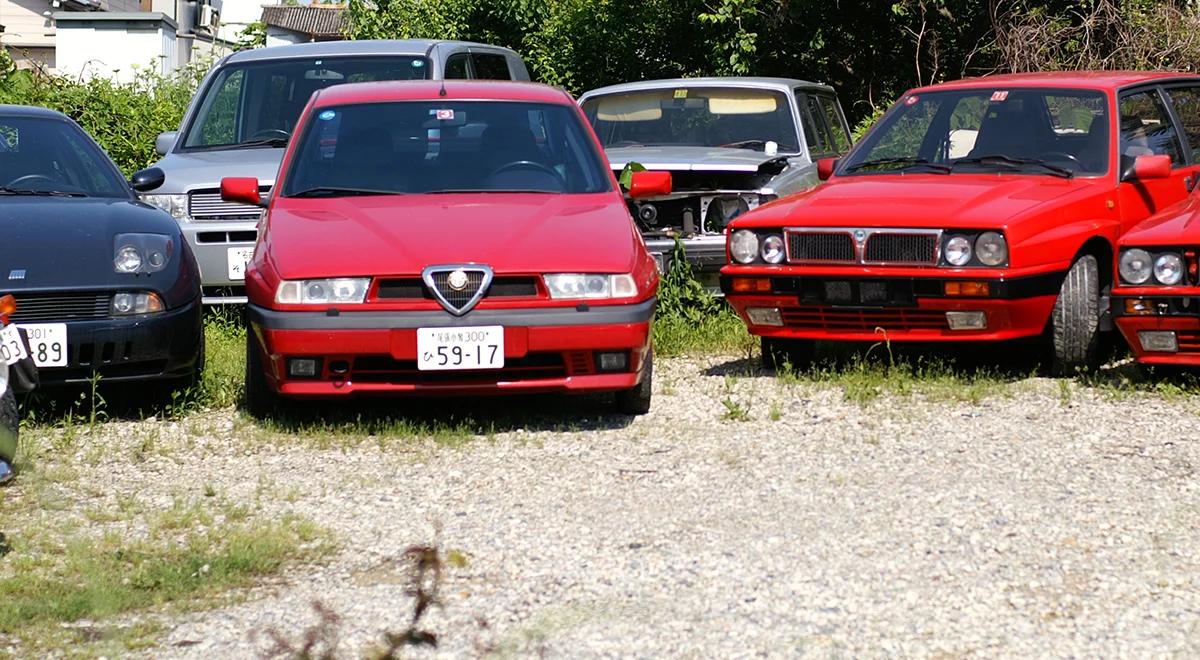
(979,210)
(447,238)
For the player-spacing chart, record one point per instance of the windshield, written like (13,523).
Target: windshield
(47,156)
(445,146)
(732,117)
(259,103)
(1030,131)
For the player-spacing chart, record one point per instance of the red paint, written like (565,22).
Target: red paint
(240,189)
(649,184)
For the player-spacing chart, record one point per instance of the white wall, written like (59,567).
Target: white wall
(236,15)
(88,52)
(278,37)
(24,24)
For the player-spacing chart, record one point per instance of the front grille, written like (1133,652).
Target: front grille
(414,288)
(535,366)
(458,299)
(820,246)
(901,249)
(249,236)
(207,205)
(833,319)
(59,307)
(1189,340)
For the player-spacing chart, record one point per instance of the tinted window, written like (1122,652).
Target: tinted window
(490,67)
(1146,127)
(456,67)
(834,124)
(445,146)
(1187,107)
(260,101)
(51,155)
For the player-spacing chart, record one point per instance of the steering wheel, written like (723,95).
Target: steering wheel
(268,133)
(1061,155)
(29,178)
(530,165)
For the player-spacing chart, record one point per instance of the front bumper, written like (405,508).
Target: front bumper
(545,350)
(211,242)
(161,346)
(848,307)
(1175,314)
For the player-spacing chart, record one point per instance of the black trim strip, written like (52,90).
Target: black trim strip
(1031,286)
(376,320)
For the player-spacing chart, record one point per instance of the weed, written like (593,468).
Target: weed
(735,411)
(776,412)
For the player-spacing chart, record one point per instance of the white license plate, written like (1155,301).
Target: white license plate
(479,347)
(238,258)
(47,343)
(12,349)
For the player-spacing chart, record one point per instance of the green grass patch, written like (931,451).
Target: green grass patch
(689,319)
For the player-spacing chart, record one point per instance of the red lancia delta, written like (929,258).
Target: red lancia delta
(979,210)
(465,238)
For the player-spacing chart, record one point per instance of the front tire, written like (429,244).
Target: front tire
(778,353)
(260,399)
(1075,321)
(636,400)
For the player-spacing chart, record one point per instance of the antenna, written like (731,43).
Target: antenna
(442,91)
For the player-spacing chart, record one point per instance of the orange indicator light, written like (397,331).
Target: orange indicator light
(967,289)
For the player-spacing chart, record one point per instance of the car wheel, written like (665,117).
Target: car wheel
(260,400)
(10,425)
(1075,321)
(636,400)
(779,353)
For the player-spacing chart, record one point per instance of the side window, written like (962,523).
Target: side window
(220,121)
(1187,107)
(814,130)
(833,120)
(489,66)
(1146,128)
(456,67)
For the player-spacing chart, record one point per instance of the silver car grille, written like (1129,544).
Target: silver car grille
(207,206)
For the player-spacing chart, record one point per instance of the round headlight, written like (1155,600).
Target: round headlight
(315,292)
(128,260)
(991,249)
(958,251)
(772,249)
(1135,266)
(743,246)
(1168,269)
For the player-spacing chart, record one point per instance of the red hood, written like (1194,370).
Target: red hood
(1175,225)
(922,200)
(400,235)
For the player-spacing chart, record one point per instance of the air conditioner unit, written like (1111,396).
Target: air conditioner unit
(209,17)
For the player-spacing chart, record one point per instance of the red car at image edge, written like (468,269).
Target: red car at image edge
(456,238)
(978,210)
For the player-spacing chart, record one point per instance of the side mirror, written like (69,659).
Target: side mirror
(1147,167)
(164,142)
(147,179)
(649,184)
(242,190)
(825,168)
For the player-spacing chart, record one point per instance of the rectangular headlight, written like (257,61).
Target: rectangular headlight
(581,286)
(176,205)
(322,292)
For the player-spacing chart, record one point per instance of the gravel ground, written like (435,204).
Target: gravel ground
(1022,525)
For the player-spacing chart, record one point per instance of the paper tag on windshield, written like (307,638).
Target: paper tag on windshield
(444,115)
(999,96)
(681,93)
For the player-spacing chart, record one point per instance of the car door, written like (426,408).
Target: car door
(1148,126)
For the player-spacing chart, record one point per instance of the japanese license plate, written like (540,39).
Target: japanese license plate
(12,349)
(47,343)
(238,258)
(478,347)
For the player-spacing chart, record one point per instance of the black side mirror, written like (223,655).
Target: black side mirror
(147,179)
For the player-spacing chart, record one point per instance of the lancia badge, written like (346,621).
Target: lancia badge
(860,235)
(17,275)
(457,280)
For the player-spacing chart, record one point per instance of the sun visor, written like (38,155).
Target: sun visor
(625,108)
(735,103)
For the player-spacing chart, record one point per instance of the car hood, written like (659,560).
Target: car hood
(69,242)
(690,158)
(1178,224)
(205,169)
(963,201)
(401,235)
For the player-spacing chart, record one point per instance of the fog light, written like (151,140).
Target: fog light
(612,361)
(764,316)
(967,289)
(751,285)
(1138,307)
(967,320)
(302,367)
(1158,341)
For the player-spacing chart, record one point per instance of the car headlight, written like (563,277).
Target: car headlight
(1135,266)
(128,304)
(772,249)
(1168,269)
(322,292)
(991,249)
(142,253)
(589,285)
(176,205)
(743,246)
(958,251)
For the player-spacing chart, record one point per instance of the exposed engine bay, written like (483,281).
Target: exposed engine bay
(703,202)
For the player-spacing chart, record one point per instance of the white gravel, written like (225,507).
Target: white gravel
(1018,526)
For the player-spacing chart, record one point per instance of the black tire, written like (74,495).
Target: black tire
(636,400)
(1074,324)
(777,352)
(10,424)
(196,377)
(260,400)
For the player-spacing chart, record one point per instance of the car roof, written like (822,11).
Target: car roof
(779,84)
(1111,80)
(362,47)
(30,111)
(432,90)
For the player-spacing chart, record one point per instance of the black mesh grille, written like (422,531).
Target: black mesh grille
(61,306)
(811,246)
(413,287)
(902,248)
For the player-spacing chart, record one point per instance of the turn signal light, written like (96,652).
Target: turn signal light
(1138,307)
(751,285)
(8,305)
(967,289)
(1193,266)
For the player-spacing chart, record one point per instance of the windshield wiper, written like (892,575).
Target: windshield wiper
(41,193)
(1001,159)
(334,191)
(744,144)
(269,142)
(904,162)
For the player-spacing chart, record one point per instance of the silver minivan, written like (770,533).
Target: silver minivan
(242,117)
